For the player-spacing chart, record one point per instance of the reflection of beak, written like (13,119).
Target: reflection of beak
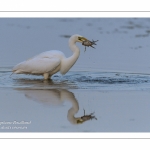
(82,39)
(79,121)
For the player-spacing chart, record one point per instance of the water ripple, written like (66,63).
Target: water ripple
(79,80)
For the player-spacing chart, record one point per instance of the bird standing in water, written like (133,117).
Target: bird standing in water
(51,62)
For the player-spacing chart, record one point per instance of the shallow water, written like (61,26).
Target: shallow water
(78,80)
(111,81)
(119,102)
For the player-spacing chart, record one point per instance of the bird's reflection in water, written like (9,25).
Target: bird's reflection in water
(57,96)
(57,82)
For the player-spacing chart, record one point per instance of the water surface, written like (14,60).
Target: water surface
(111,81)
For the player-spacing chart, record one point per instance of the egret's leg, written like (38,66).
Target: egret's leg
(46,76)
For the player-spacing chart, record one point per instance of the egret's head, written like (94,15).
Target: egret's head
(78,38)
(81,39)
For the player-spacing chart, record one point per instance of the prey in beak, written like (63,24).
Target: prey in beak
(89,43)
(86,42)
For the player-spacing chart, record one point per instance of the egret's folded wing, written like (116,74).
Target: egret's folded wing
(37,65)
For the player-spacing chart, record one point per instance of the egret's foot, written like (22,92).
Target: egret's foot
(46,76)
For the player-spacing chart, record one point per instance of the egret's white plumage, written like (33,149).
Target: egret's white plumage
(51,62)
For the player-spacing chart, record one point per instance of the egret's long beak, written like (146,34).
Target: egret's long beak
(81,39)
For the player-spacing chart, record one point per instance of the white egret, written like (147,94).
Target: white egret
(51,62)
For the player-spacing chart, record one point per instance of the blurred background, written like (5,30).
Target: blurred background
(123,42)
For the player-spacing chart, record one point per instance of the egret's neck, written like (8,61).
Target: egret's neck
(67,63)
(69,96)
(73,46)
